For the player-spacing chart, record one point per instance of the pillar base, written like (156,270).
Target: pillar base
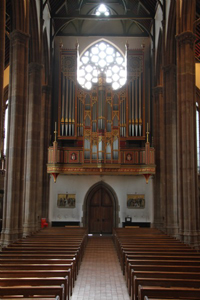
(8,237)
(191,238)
(29,229)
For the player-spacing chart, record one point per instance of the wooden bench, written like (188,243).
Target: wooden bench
(160,274)
(36,281)
(39,274)
(164,282)
(163,292)
(37,266)
(165,265)
(152,251)
(35,297)
(45,264)
(47,291)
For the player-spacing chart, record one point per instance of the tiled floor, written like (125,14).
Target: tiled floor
(100,276)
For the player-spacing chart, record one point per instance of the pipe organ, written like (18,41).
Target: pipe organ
(102,127)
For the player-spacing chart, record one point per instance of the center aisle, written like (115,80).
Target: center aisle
(100,276)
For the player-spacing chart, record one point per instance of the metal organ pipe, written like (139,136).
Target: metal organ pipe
(70,99)
(130,109)
(133,105)
(140,105)
(136,107)
(66,107)
(63,103)
(73,106)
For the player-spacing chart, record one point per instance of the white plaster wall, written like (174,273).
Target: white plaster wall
(122,185)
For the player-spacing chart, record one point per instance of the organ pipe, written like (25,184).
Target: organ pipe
(136,107)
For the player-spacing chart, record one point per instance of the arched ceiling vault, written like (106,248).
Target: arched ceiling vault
(74,17)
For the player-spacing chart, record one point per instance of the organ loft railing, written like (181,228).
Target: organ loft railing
(101,131)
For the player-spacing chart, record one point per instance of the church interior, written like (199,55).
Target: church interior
(100,116)
(100,149)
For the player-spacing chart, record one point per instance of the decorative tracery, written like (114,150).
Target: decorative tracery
(102,57)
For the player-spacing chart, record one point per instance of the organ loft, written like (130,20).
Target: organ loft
(102,130)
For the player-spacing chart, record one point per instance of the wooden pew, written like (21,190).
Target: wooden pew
(33,290)
(35,297)
(152,251)
(36,281)
(160,274)
(147,298)
(43,252)
(39,274)
(163,292)
(48,261)
(169,262)
(48,253)
(41,267)
(164,282)
(157,253)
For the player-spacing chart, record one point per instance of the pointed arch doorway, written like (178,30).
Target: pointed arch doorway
(101,209)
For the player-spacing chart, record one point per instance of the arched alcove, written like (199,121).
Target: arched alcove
(108,190)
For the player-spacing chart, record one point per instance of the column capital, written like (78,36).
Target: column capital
(187,37)
(18,35)
(34,67)
(158,90)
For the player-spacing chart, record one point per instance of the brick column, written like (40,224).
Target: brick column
(186,138)
(2,63)
(33,127)
(14,180)
(171,222)
(159,144)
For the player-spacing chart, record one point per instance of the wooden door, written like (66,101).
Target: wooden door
(101,212)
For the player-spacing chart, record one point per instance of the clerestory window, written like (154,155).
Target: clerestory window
(102,10)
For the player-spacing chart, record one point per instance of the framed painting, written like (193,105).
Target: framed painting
(66,201)
(135,201)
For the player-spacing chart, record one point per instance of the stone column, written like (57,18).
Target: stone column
(159,143)
(186,139)
(43,159)
(2,63)
(32,162)
(14,180)
(170,112)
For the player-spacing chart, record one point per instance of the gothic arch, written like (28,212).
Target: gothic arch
(88,197)
(105,41)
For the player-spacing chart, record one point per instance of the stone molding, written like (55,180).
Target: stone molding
(19,36)
(158,90)
(187,37)
(34,67)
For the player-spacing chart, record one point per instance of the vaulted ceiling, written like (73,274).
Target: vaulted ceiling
(128,18)
(76,17)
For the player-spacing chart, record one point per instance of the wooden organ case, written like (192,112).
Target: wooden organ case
(101,131)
